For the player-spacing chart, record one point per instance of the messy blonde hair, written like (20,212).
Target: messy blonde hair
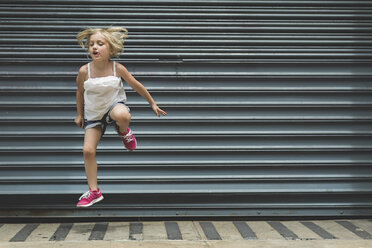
(115,36)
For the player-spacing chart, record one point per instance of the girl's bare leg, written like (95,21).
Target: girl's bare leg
(121,116)
(91,139)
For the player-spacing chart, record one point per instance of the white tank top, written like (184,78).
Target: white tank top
(101,93)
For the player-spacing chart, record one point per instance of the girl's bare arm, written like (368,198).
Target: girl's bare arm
(138,87)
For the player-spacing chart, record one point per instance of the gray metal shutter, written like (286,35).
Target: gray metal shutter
(269,109)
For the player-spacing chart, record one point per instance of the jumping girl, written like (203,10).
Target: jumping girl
(100,99)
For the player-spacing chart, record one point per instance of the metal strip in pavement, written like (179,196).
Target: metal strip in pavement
(62,232)
(283,230)
(99,231)
(135,228)
(357,230)
(210,231)
(245,230)
(318,230)
(24,233)
(173,231)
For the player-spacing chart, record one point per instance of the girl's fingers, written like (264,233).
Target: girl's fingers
(160,111)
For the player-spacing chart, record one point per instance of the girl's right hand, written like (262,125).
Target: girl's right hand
(79,121)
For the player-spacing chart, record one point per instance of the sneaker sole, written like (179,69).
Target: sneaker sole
(91,203)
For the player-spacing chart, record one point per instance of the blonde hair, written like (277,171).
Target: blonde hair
(115,36)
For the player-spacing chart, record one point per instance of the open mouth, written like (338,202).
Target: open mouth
(95,53)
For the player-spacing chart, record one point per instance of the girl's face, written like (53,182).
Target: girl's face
(99,48)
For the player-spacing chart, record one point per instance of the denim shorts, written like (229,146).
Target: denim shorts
(106,119)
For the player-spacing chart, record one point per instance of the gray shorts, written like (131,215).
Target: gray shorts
(106,119)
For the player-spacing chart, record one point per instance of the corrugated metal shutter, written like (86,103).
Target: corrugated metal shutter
(269,109)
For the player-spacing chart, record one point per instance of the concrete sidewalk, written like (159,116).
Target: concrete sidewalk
(185,234)
(196,244)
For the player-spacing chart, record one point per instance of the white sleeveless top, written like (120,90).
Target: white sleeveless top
(101,93)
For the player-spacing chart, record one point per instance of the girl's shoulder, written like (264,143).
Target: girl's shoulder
(83,73)
(83,69)
(120,68)
(118,65)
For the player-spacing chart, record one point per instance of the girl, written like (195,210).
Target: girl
(100,99)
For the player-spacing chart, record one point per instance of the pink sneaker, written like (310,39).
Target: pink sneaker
(128,138)
(89,198)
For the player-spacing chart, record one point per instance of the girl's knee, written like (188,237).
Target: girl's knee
(89,151)
(120,114)
(124,117)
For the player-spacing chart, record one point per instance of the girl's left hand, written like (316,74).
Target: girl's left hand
(158,111)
